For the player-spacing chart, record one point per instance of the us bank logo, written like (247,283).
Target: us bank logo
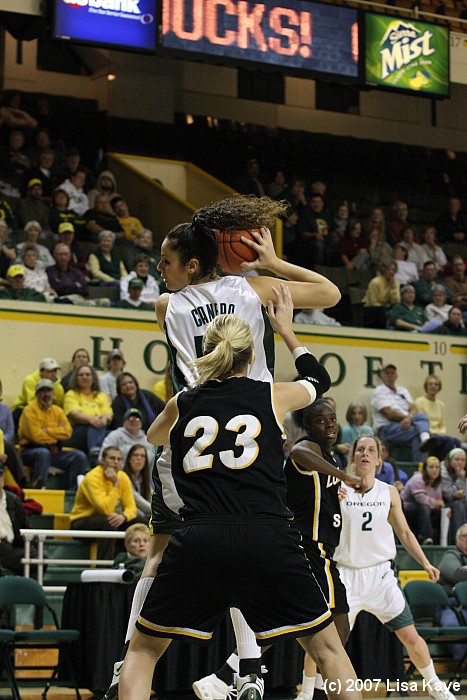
(118,8)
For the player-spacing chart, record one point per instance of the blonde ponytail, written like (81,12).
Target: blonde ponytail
(228,346)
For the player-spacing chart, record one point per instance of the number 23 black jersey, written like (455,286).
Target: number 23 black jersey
(227,450)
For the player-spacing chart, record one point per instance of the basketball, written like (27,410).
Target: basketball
(233,252)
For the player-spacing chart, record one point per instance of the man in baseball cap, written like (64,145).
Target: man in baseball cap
(48,369)
(16,289)
(49,364)
(115,365)
(15,271)
(135,287)
(34,182)
(31,207)
(65,226)
(43,427)
(130,434)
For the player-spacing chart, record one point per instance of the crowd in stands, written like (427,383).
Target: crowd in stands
(66,230)
(92,428)
(401,262)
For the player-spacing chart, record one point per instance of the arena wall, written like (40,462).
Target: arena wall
(352,356)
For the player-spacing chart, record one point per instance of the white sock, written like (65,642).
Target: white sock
(139,596)
(424,437)
(234,662)
(429,673)
(246,640)
(308,684)
(319,685)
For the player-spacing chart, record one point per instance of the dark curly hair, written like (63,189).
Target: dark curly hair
(238,213)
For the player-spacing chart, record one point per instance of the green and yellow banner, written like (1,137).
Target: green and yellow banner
(405,54)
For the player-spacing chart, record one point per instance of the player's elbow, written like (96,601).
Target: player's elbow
(332,295)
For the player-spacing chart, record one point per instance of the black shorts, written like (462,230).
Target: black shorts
(326,573)
(255,564)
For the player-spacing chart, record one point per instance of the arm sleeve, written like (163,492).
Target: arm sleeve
(71,402)
(312,371)
(29,430)
(371,298)
(9,433)
(128,499)
(96,272)
(124,294)
(449,488)
(61,430)
(141,502)
(105,406)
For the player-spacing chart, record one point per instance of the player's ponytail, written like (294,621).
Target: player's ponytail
(194,240)
(228,348)
(241,213)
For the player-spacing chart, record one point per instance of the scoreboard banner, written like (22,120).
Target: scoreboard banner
(406,55)
(292,34)
(125,24)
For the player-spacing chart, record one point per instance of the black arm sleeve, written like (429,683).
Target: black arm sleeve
(310,369)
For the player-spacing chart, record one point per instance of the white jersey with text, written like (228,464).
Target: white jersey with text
(367,538)
(197,305)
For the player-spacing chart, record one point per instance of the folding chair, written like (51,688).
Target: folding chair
(460,594)
(7,639)
(424,599)
(18,590)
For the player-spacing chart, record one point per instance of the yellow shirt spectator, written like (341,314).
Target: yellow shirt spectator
(97,495)
(43,426)
(95,404)
(48,369)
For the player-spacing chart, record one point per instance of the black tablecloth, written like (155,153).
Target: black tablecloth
(100,612)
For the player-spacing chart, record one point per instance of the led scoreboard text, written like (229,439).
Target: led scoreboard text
(290,34)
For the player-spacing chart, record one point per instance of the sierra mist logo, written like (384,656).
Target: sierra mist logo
(402,43)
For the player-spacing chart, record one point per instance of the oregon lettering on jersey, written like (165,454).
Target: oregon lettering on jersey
(366,504)
(367,538)
(203,315)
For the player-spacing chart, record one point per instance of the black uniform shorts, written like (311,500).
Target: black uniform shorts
(326,573)
(254,563)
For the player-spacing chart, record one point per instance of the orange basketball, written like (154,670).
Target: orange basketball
(233,252)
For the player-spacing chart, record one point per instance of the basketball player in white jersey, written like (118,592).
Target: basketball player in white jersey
(365,553)
(188,265)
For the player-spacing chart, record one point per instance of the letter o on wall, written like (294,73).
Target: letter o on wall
(161,352)
(331,359)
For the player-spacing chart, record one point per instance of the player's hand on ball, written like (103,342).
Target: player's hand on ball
(264,247)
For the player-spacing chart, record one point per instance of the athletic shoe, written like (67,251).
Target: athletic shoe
(439,691)
(112,692)
(250,687)
(304,695)
(212,688)
(430,444)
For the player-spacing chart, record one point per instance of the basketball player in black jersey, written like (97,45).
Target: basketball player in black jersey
(226,436)
(313,498)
